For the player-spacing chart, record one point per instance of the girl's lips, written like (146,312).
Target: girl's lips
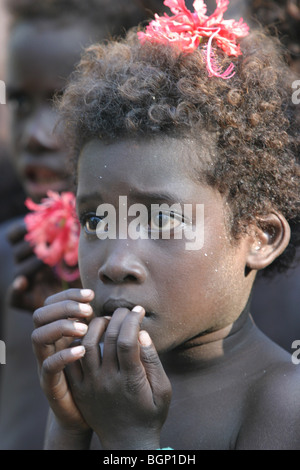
(111,305)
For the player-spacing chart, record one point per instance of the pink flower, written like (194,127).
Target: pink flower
(53,232)
(187,30)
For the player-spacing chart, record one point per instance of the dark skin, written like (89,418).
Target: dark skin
(41,56)
(182,363)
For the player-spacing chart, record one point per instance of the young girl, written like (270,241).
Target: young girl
(45,42)
(173,119)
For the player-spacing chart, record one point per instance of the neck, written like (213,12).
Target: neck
(209,348)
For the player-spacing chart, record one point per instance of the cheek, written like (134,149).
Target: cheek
(87,261)
(15,128)
(202,281)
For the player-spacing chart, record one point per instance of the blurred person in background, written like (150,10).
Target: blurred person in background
(275,303)
(12,195)
(45,42)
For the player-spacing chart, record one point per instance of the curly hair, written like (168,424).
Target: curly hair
(126,88)
(282,19)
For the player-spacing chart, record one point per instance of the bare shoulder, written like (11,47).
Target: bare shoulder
(271,419)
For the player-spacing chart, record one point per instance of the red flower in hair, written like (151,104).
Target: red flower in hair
(187,30)
(53,232)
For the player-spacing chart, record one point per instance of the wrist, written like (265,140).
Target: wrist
(59,436)
(139,441)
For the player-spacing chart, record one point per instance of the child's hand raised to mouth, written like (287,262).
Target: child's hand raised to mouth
(63,319)
(122,394)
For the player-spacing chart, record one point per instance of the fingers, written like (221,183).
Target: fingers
(57,321)
(121,348)
(27,264)
(55,364)
(72,303)
(80,295)
(17,290)
(20,284)
(22,250)
(110,359)
(16,232)
(160,384)
(45,337)
(128,347)
(28,267)
(52,378)
(91,343)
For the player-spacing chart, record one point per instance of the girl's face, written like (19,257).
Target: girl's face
(186,290)
(41,56)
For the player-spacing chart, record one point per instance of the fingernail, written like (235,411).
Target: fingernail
(138,309)
(86,292)
(144,338)
(78,351)
(81,327)
(19,283)
(85,308)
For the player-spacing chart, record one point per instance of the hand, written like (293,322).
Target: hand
(34,281)
(124,395)
(63,319)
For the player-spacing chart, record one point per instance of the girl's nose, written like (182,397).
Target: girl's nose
(122,265)
(38,135)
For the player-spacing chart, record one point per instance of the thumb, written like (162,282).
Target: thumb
(16,291)
(158,379)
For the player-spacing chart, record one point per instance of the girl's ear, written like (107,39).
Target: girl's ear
(269,239)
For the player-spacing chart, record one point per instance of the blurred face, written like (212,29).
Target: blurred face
(41,56)
(186,293)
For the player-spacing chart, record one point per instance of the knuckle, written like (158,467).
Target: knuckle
(88,344)
(68,307)
(111,336)
(49,300)
(124,345)
(135,382)
(166,390)
(38,316)
(52,363)
(62,296)
(150,357)
(47,366)
(36,337)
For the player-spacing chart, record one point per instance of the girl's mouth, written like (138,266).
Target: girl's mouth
(39,180)
(111,305)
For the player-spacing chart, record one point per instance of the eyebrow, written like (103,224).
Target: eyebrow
(152,197)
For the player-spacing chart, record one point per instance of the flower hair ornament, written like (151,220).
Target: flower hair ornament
(53,232)
(188,30)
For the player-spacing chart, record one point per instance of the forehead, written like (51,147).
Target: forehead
(152,157)
(44,49)
(156,164)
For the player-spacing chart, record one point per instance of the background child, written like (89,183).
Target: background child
(275,301)
(160,124)
(45,42)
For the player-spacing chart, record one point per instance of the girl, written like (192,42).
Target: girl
(173,118)
(45,42)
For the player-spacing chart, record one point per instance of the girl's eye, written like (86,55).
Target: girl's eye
(91,223)
(20,103)
(165,221)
